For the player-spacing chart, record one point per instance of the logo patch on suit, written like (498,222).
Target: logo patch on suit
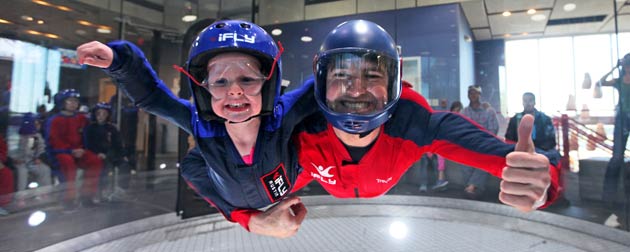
(323,174)
(276,183)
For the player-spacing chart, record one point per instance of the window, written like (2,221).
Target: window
(554,68)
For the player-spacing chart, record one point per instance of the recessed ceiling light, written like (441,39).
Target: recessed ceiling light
(63,8)
(104,29)
(507,14)
(306,39)
(40,21)
(4,21)
(80,32)
(276,32)
(538,17)
(531,11)
(42,3)
(86,23)
(569,7)
(33,32)
(27,18)
(50,35)
(189,18)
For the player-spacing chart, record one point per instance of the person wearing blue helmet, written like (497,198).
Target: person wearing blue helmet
(241,125)
(30,154)
(66,150)
(103,138)
(375,128)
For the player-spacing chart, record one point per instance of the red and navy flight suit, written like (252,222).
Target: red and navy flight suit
(413,129)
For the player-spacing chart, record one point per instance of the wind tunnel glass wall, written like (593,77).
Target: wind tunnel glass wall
(551,66)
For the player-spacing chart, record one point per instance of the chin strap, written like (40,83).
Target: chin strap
(248,119)
(364,134)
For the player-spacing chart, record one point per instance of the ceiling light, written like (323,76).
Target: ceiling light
(189,15)
(53,36)
(524,33)
(531,11)
(33,32)
(189,18)
(507,14)
(44,3)
(306,39)
(569,7)
(27,18)
(80,32)
(86,23)
(276,32)
(4,21)
(104,29)
(538,17)
(63,8)
(40,21)
(507,35)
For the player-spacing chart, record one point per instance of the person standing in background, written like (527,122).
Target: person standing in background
(621,131)
(475,179)
(543,133)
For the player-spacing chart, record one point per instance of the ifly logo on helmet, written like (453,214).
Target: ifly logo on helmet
(237,37)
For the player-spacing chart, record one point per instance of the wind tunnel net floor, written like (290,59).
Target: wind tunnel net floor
(388,223)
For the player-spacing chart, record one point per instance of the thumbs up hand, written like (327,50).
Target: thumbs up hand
(526,177)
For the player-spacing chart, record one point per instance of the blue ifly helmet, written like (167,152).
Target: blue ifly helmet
(101,105)
(357,83)
(62,95)
(234,36)
(28,124)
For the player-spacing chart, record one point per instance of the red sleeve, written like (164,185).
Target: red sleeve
(242,216)
(555,188)
(3,149)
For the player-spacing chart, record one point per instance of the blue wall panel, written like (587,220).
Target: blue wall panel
(433,33)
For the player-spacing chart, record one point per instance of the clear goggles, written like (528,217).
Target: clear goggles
(221,76)
(357,83)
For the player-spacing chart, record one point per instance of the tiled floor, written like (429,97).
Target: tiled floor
(145,221)
(389,223)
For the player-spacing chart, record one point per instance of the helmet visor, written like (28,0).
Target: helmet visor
(357,83)
(221,76)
